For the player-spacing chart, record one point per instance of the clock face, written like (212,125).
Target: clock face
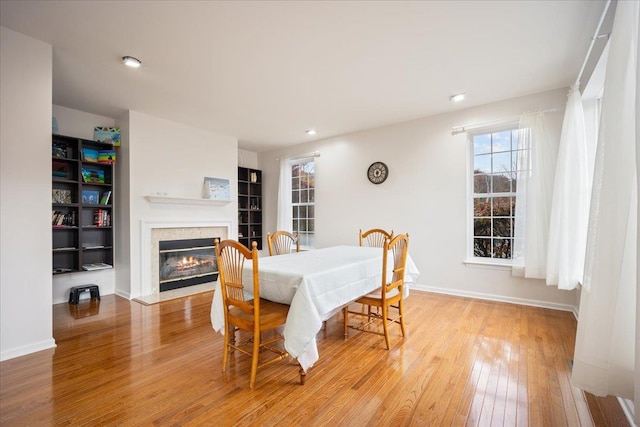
(378,172)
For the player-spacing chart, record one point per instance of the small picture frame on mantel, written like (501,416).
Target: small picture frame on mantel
(216,189)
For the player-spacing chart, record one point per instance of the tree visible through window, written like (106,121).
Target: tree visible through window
(303,201)
(494,192)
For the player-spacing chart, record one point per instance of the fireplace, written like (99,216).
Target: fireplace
(154,232)
(186,262)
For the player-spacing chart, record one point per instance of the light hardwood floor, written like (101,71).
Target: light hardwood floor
(463,362)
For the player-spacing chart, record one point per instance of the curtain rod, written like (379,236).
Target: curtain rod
(593,41)
(301,156)
(463,128)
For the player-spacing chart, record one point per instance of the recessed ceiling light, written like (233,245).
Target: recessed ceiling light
(130,61)
(311,132)
(457,98)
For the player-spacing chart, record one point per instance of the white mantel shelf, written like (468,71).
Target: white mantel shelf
(185,201)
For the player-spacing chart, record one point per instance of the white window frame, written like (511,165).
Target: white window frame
(471,258)
(304,242)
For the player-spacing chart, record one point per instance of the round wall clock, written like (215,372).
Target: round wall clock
(378,172)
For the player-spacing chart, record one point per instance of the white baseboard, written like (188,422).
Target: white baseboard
(27,349)
(126,295)
(628,409)
(498,298)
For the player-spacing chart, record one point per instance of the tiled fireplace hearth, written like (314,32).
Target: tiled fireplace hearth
(155,232)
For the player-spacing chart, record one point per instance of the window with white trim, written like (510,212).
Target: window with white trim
(303,201)
(493,173)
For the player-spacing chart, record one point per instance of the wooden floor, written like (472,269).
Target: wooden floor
(463,362)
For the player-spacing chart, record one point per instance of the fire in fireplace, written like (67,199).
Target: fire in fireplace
(187,262)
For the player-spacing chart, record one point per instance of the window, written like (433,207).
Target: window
(303,201)
(494,159)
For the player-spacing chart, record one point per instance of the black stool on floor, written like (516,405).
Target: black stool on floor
(74,295)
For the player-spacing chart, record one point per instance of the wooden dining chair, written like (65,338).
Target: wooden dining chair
(254,315)
(388,296)
(281,242)
(374,237)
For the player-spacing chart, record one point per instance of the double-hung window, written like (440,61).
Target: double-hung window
(303,201)
(493,172)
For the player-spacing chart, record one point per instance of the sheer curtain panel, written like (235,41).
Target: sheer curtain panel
(537,155)
(285,216)
(570,204)
(604,357)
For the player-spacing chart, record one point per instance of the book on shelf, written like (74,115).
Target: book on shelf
(106,196)
(93,175)
(57,270)
(89,155)
(90,197)
(96,266)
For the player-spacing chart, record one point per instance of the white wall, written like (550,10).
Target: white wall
(172,159)
(247,159)
(25,195)
(424,195)
(80,124)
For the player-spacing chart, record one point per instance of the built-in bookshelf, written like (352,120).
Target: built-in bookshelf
(250,206)
(82,204)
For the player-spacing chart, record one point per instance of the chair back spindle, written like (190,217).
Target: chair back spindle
(374,237)
(282,242)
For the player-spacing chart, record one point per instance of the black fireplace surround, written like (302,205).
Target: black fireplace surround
(187,262)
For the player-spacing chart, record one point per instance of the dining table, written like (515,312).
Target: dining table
(316,284)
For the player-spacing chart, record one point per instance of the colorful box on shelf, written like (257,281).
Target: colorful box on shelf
(60,195)
(108,135)
(60,169)
(107,156)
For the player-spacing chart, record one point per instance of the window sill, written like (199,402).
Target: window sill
(476,263)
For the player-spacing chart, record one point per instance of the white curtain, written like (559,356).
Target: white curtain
(571,195)
(637,367)
(285,216)
(604,357)
(537,155)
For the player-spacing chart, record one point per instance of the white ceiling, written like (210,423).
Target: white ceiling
(266,71)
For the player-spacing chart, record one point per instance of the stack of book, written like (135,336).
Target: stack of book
(101,218)
(63,219)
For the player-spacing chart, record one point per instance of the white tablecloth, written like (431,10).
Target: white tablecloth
(316,284)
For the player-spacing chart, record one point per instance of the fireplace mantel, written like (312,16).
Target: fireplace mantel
(185,201)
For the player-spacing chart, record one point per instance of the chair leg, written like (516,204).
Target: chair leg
(225,352)
(345,311)
(303,374)
(385,314)
(401,311)
(254,358)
